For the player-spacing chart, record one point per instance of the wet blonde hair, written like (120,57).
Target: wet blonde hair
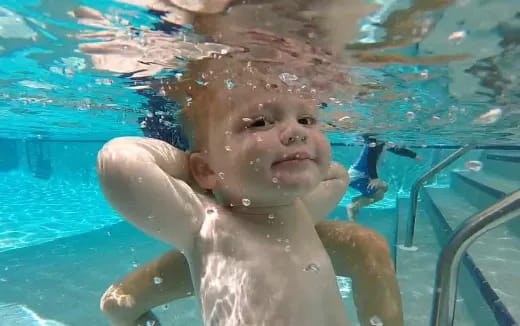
(205,92)
(206,89)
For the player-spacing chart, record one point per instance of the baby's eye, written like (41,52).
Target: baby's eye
(259,123)
(307,120)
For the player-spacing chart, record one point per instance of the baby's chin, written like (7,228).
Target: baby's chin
(304,181)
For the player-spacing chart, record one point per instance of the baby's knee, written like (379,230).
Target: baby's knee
(115,302)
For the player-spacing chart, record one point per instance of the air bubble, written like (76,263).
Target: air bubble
(271,216)
(221,175)
(275,180)
(287,78)
(410,116)
(228,148)
(376,321)
(474,166)
(229,83)
(312,267)
(157,280)
(457,36)
(489,117)
(246,202)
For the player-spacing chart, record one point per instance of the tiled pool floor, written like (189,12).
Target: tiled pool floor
(35,211)
(63,280)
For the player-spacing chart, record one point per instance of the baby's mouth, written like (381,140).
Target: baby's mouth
(295,159)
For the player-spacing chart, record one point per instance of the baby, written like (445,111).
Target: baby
(243,204)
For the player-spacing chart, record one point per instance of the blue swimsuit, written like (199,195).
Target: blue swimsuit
(365,168)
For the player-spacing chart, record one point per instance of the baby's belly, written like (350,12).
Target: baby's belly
(268,285)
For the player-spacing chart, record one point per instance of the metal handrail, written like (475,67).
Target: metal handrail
(414,195)
(446,276)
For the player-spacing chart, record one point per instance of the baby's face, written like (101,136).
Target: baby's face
(268,150)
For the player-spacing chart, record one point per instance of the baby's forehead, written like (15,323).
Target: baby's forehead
(278,103)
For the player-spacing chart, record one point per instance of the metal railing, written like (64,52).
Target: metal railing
(446,276)
(414,195)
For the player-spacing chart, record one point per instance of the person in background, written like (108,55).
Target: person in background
(363,173)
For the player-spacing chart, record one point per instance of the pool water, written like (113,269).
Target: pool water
(430,75)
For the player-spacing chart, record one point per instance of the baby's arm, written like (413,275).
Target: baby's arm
(363,255)
(142,178)
(324,198)
(357,252)
(128,302)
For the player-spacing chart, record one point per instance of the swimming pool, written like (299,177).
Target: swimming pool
(61,244)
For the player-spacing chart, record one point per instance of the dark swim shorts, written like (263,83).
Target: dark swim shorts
(361,185)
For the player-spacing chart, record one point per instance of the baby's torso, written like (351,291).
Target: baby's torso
(257,274)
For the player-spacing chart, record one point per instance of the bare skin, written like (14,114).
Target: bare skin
(268,178)
(232,241)
(355,251)
(216,229)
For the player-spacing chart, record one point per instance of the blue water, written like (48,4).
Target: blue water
(70,202)
(61,244)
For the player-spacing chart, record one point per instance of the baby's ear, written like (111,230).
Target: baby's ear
(202,172)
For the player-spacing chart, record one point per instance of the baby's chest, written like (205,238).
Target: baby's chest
(264,280)
(265,260)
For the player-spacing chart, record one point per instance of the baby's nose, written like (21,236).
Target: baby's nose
(294,134)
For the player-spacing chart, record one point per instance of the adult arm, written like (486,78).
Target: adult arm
(402,151)
(165,279)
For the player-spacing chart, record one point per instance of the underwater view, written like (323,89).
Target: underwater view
(260,162)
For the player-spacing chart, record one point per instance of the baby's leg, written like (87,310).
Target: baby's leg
(127,303)
(363,255)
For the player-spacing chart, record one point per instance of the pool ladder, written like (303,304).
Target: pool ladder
(414,195)
(446,275)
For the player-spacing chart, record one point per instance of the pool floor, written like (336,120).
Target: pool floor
(62,280)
